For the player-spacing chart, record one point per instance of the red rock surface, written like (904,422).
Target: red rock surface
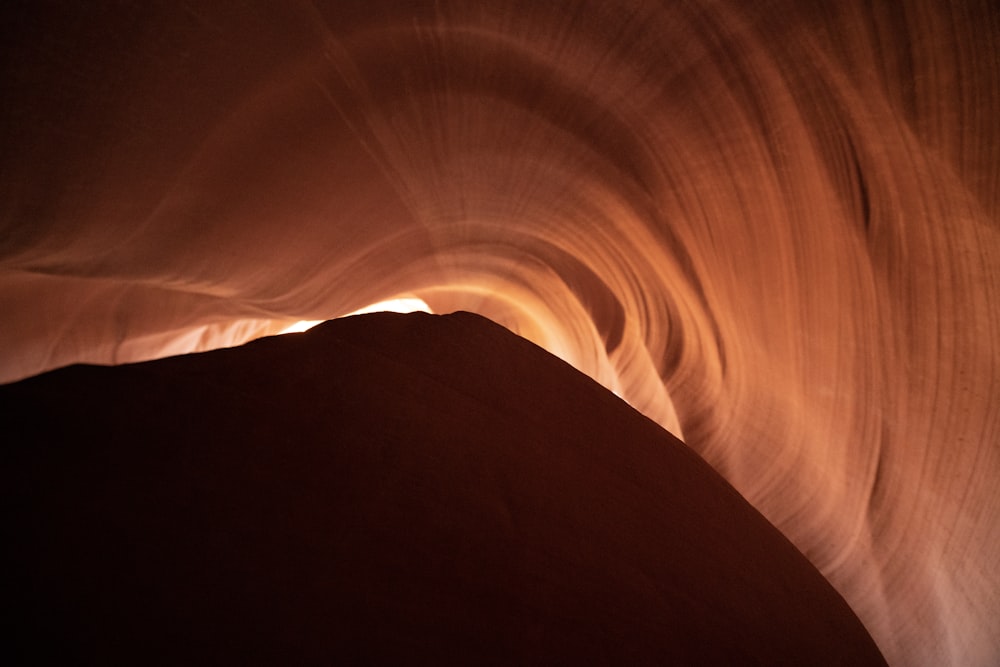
(392,489)
(771,226)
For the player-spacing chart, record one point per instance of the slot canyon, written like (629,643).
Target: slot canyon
(771,227)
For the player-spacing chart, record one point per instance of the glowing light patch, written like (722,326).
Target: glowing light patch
(402,305)
(300,326)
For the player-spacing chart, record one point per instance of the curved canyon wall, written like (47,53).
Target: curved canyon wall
(773,228)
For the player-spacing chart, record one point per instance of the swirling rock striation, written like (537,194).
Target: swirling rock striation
(772,227)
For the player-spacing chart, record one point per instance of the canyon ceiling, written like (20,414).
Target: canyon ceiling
(773,227)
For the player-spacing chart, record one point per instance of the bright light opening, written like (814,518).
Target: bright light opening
(402,305)
(300,326)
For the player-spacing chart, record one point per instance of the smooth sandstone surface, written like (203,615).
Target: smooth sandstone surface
(772,227)
(386,489)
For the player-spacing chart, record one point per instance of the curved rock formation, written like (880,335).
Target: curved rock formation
(771,226)
(386,489)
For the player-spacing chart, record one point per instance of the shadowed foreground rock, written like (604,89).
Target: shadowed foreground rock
(386,488)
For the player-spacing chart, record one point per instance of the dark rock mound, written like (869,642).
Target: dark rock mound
(385,488)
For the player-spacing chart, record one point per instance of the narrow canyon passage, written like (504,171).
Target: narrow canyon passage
(772,227)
